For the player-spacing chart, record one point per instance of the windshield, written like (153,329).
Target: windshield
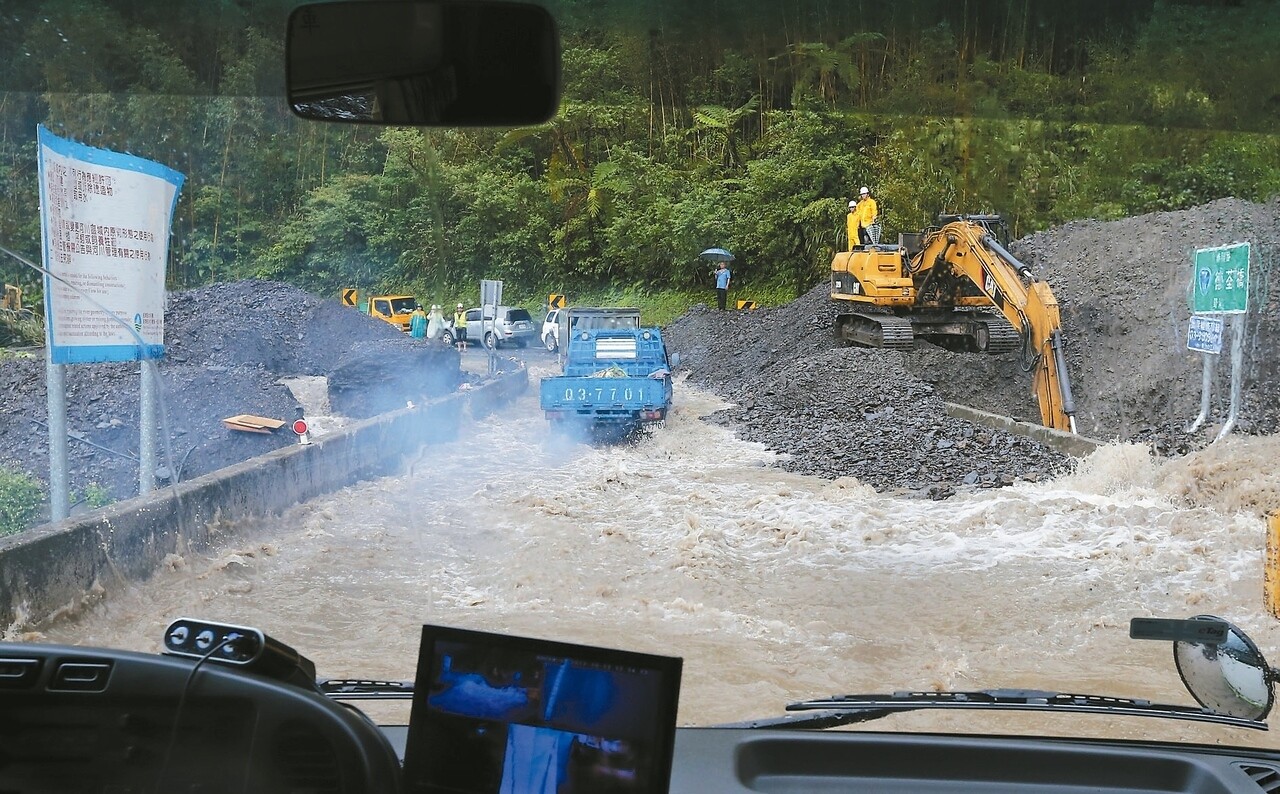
(828,505)
(604,321)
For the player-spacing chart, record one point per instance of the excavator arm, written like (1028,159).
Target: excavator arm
(966,250)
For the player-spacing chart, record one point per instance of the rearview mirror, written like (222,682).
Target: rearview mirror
(1228,677)
(424,62)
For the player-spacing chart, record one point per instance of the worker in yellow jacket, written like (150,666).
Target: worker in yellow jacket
(864,219)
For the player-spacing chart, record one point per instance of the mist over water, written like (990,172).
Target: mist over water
(773,586)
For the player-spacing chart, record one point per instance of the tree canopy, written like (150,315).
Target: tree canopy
(685,124)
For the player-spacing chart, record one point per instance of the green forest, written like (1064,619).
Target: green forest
(684,124)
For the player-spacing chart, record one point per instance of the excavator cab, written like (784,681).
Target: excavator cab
(910,243)
(995,225)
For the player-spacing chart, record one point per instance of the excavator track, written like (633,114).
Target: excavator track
(876,330)
(1000,336)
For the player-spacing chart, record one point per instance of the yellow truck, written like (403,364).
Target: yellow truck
(12,300)
(394,309)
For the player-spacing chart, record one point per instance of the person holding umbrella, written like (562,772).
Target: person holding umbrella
(722,284)
(722,273)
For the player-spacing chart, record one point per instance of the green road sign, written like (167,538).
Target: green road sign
(1220,280)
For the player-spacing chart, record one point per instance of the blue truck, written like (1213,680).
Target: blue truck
(615,380)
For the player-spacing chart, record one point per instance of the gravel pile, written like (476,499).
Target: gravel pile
(893,437)
(849,411)
(1122,289)
(228,347)
(1122,286)
(266,324)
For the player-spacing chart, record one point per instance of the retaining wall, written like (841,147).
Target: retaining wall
(1066,443)
(50,568)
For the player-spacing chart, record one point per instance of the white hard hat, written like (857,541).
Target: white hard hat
(459,305)
(852,204)
(863,191)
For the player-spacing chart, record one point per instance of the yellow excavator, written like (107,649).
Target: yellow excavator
(957,285)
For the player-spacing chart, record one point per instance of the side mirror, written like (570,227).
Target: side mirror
(423,62)
(1227,675)
(675,360)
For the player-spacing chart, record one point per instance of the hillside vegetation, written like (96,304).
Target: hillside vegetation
(684,125)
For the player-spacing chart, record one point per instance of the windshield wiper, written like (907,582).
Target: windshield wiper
(365,689)
(848,709)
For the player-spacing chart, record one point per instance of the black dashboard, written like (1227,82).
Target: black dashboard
(88,720)
(780,762)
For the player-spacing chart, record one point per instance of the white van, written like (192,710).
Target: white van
(551,330)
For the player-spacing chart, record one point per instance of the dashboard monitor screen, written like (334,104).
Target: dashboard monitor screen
(496,714)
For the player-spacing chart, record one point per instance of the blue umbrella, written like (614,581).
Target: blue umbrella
(717,255)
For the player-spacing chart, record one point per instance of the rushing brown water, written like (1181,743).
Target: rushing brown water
(773,587)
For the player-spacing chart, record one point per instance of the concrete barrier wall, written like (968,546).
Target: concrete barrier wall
(1066,443)
(47,569)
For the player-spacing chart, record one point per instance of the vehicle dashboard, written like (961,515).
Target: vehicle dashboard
(88,719)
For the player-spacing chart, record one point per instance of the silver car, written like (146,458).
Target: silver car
(511,325)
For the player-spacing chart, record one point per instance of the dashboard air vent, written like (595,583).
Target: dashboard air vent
(1267,777)
(306,760)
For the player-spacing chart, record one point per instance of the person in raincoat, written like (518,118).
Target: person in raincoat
(418,322)
(866,216)
(435,322)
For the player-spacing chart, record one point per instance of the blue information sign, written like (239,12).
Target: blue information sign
(1205,334)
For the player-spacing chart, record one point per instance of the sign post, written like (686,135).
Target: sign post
(104,222)
(490,297)
(1205,335)
(1219,286)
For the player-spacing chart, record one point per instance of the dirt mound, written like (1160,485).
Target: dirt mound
(102,418)
(725,350)
(268,324)
(883,425)
(227,348)
(875,415)
(1122,287)
(389,373)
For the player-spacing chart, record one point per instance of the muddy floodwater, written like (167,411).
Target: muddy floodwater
(773,587)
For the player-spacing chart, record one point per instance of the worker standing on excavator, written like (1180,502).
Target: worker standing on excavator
(865,218)
(851,224)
